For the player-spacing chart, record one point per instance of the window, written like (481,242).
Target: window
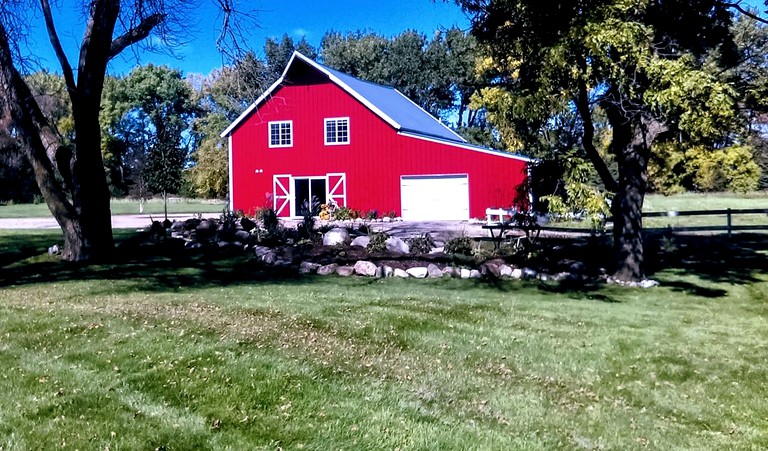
(337,131)
(281,134)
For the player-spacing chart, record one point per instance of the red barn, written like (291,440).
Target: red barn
(317,132)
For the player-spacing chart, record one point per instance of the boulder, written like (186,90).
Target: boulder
(529,273)
(387,271)
(434,272)
(505,271)
(242,235)
(337,236)
(365,268)
(395,244)
(345,271)
(308,267)
(464,273)
(53,250)
(326,270)
(361,241)
(517,273)
(475,274)
(400,273)
(490,269)
(450,271)
(419,272)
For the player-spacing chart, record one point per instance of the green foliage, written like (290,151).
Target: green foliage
(378,242)
(580,199)
(461,245)
(422,244)
(210,174)
(728,169)
(342,213)
(667,169)
(146,114)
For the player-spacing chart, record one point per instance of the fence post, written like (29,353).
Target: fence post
(729,223)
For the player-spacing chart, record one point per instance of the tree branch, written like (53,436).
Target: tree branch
(737,6)
(135,34)
(66,68)
(587,141)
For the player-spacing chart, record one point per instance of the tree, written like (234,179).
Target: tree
(642,63)
(152,111)
(72,179)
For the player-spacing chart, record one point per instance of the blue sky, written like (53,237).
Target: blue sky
(295,18)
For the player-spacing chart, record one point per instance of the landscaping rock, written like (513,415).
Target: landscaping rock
(434,272)
(505,271)
(490,269)
(242,235)
(395,244)
(361,241)
(326,270)
(53,250)
(529,273)
(337,236)
(648,283)
(345,271)
(387,271)
(464,273)
(418,272)
(365,268)
(517,273)
(475,274)
(269,258)
(450,271)
(400,273)
(308,267)
(177,225)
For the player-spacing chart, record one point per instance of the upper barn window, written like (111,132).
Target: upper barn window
(281,134)
(337,131)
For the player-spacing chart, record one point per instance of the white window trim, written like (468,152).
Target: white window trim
(269,134)
(325,131)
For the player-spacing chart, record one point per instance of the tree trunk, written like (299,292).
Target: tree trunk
(632,139)
(86,235)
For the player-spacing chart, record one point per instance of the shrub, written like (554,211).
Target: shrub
(378,242)
(268,218)
(421,244)
(462,245)
(342,214)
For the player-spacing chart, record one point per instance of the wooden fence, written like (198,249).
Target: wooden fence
(729,227)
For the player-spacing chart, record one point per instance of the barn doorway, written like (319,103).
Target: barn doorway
(307,188)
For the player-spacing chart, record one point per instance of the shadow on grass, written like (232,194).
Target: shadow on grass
(159,265)
(164,265)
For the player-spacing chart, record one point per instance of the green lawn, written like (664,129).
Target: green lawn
(180,352)
(121,207)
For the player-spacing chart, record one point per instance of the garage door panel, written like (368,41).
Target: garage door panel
(439,197)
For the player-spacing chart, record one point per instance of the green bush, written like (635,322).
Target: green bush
(378,242)
(462,245)
(421,245)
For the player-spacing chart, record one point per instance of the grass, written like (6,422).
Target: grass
(120,207)
(165,351)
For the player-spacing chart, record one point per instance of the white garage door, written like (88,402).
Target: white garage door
(434,197)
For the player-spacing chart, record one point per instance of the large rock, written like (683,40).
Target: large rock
(434,272)
(464,273)
(450,271)
(361,241)
(490,269)
(387,271)
(365,268)
(337,236)
(419,272)
(395,244)
(308,267)
(345,271)
(505,271)
(247,224)
(475,274)
(400,273)
(242,235)
(517,273)
(326,270)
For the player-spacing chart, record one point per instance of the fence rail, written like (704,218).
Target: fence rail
(728,227)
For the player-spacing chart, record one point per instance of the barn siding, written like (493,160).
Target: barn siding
(373,162)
